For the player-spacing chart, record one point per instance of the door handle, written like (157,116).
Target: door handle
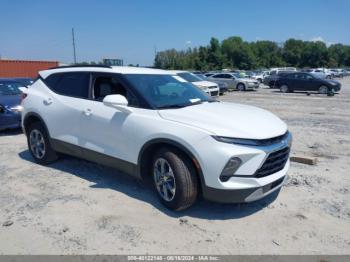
(48,101)
(87,112)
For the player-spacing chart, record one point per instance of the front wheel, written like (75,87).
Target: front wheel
(241,87)
(174,179)
(284,89)
(323,90)
(39,144)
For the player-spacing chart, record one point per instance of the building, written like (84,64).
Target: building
(24,68)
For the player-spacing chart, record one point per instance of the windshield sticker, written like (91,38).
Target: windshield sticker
(180,79)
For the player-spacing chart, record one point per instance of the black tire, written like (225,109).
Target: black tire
(49,156)
(185,179)
(323,90)
(240,87)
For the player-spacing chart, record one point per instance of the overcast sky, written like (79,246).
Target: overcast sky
(132,29)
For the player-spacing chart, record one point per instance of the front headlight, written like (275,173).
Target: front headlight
(286,139)
(16,109)
(239,141)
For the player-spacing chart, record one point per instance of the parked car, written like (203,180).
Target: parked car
(259,76)
(223,87)
(210,88)
(302,81)
(337,72)
(10,108)
(271,79)
(151,124)
(235,81)
(24,81)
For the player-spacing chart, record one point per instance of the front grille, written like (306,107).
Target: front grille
(214,93)
(212,87)
(274,162)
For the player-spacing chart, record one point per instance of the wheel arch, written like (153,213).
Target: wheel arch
(31,118)
(151,146)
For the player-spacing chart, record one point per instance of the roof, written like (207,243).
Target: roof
(177,71)
(112,69)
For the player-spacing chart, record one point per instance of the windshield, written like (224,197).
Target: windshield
(238,75)
(189,77)
(167,91)
(9,88)
(202,77)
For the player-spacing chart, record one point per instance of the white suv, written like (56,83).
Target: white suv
(148,123)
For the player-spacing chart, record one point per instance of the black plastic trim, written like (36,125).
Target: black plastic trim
(90,155)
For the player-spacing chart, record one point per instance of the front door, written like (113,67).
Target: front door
(106,130)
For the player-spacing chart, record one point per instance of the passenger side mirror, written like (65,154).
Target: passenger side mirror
(118,102)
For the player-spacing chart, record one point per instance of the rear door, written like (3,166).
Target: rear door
(63,105)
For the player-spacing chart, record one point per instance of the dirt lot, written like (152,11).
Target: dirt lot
(77,207)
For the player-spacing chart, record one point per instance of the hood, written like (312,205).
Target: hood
(10,100)
(332,82)
(204,84)
(229,120)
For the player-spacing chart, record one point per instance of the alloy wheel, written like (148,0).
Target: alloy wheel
(37,143)
(164,179)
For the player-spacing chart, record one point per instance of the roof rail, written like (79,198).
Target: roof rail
(73,66)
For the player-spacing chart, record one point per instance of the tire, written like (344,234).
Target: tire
(39,144)
(181,183)
(323,90)
(260,80)
(241,87)
(284,88)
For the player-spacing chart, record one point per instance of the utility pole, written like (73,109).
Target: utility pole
(73,38)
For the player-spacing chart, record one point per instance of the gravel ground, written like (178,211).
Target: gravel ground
(77,207)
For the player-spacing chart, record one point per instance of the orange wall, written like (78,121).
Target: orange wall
(21,68)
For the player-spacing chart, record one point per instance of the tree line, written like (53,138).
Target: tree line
(235,53)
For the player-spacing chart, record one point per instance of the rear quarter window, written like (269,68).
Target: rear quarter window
(75,84)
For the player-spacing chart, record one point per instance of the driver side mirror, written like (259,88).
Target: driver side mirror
(118,102)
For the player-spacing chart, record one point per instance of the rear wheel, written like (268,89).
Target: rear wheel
(175,179)
(241,87)
(39,144)
(284,89)
(323,90)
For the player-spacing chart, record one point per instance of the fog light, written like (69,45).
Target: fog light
(230,169)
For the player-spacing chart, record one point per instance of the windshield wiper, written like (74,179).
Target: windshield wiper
(172,106)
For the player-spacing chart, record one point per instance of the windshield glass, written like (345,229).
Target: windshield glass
(202,77)
(167,91)
(189,77)
(9,88)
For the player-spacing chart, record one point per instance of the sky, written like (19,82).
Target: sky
(134,29)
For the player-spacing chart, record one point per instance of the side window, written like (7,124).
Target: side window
(308,77)
(75,84)
(227,76)
(109,85)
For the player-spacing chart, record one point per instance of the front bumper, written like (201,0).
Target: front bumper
(255,178)
(242,195)
(252,86)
